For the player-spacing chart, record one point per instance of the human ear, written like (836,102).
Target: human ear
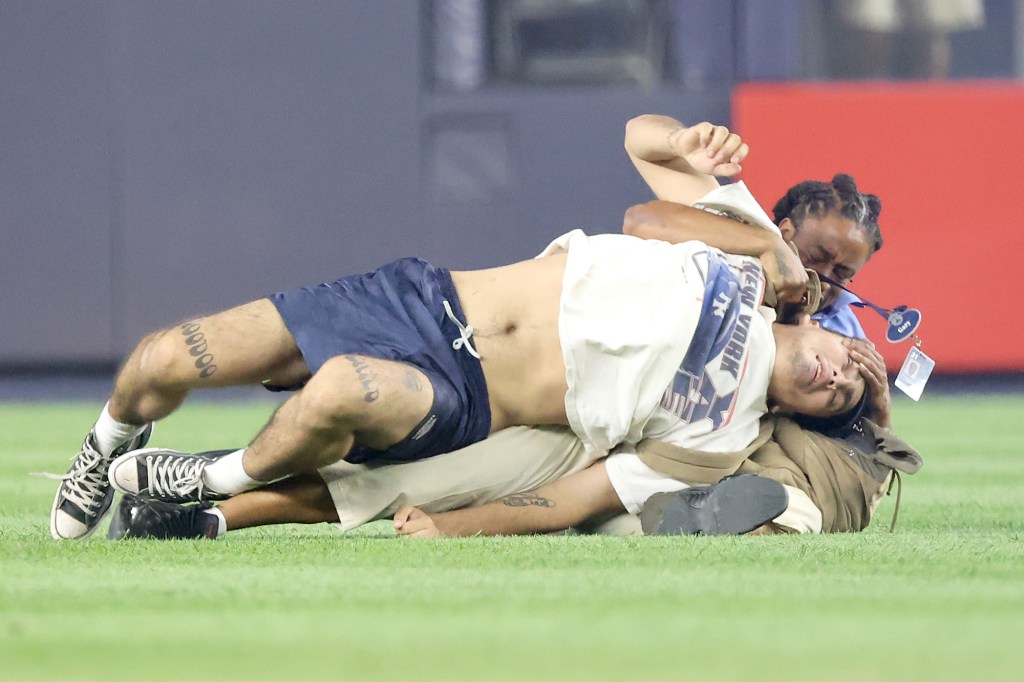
(787,228)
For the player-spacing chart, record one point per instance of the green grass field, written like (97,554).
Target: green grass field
(941,599)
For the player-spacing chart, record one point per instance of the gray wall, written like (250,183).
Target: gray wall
(159,160)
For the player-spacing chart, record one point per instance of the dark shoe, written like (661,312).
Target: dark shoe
(140,518)
(732,506)
(84,495)
(165,475)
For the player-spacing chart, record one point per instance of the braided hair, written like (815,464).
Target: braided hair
(818,199)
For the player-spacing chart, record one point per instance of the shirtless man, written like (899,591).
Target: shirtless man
(411,360)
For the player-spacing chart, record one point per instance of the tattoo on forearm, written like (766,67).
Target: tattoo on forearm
(195,340)
(365,376)
(527,500)
(781,263)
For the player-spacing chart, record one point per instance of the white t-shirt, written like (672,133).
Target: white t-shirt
(628,310)
(665,341)
(736,201)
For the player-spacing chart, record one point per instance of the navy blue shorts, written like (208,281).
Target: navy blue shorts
(397,313)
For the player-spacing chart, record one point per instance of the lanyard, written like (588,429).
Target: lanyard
(903,323)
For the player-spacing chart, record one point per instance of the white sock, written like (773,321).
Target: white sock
(227,475)
(222,523)
(111,434)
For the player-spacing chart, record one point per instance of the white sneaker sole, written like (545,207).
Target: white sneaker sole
(55,534)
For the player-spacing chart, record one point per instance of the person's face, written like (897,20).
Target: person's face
(814,374)
(831,245)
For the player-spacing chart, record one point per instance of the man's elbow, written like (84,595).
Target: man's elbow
(640,220)
(631,126)
(636,126)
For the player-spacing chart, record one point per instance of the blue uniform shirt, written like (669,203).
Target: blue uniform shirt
(838,317)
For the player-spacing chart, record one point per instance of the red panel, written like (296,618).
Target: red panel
(944,160)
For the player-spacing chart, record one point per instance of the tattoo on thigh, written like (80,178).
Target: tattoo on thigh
(412,381)
(527,500)
(195,340)
(365,376)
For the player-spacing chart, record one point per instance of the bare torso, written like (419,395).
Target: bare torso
(514,313)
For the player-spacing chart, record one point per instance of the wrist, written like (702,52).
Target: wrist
(768,243)
(444,525)
(672,138)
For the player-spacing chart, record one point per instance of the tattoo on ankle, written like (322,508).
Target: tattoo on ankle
(198,348)
(527,500)
(365,377)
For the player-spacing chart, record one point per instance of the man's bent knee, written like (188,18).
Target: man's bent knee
(171,359)
(149,386)
(378,401)
(349,399)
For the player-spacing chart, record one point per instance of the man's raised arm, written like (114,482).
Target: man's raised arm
(556,506)
(678,162)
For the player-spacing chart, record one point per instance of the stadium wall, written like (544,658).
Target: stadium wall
(943,158)
(166,159)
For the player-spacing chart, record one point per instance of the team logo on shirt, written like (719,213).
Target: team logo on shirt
(705,383)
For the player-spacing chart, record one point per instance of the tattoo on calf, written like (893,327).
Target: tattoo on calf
(365,377)
(198,348)
(527,500)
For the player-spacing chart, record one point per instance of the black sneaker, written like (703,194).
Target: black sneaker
(140,518)
(165,475)
(732,506)
(84,495)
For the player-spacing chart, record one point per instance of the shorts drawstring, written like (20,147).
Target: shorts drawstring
(465,332)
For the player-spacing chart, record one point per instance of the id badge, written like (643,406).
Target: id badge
(914,373)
